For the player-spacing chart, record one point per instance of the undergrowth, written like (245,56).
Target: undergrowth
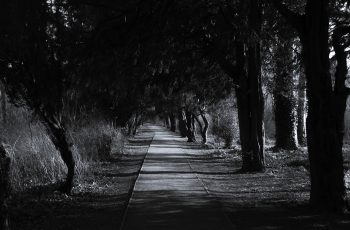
(35,160)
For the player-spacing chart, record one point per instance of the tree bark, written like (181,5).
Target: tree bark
(137,122)
(191,136)
(250,111)
(255,87)
(284,98)
(250,101)
(167,122)
(4,187)
(340,90)
(203,128)
(301,110)
(172,122)
(246,74)
(243,108)
(325,150)
(244,123)
(182,123)
(323,140)
(204,131)
(199,124)
(57,133)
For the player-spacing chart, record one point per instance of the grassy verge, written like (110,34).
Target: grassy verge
(35,160)
(98,198)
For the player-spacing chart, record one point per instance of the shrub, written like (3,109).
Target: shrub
(97,140)
(35,160)
(225,122)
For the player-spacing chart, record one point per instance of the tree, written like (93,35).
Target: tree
(203,128)
(219,27)
(285,102)
(33,70)
(246,74)
(301,110)
(182,122)
(323,139)
(172,121)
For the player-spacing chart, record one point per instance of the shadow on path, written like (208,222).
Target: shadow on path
(168,193)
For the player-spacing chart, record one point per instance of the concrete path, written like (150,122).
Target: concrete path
(168,194)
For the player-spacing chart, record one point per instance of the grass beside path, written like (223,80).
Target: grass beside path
(98,202)
(275,199)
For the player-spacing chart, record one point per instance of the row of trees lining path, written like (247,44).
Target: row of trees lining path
(76,56)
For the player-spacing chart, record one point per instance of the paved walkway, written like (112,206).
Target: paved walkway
(168,194)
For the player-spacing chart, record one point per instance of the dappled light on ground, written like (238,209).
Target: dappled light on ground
(168,193)
(181,185)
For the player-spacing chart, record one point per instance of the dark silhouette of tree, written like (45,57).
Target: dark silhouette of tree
(324,105)
(285,101)
(181,57)
(32,67)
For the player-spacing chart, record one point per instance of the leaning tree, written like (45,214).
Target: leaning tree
(33,67)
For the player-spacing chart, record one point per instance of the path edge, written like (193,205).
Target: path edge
(133,187)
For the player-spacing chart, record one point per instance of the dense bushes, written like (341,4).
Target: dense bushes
(224,121)
(96,140)
(35,160)
(224,125)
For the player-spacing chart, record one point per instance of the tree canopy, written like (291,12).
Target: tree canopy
(122,57)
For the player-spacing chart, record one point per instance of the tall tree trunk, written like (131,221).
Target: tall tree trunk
(191,136)
(323,140)
(167,122)
(284,98)
(57,133)
(205,128)
(172,122)
(246,74)
(243,102)
(4,187)
(250,109)
(194,127)
(182,123)
(325,150)
(301,111)
(255,85)
(137,122)
(199,124)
